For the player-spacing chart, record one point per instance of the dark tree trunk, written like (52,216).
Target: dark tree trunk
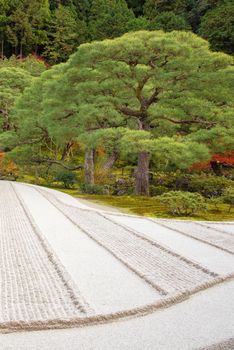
(89,166)
(142,174)
(2,49)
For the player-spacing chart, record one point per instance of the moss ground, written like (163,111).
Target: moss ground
(150,206)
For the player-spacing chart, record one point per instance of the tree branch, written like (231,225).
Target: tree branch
(194,121)
(57,162)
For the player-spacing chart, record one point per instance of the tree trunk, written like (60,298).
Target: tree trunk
(89,166)
(2,49)
(142,174)
(110,161)
(21,50)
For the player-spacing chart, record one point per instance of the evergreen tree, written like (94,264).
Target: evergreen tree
(66,33)
(27,26)
(169,21)
(136,6)
(15,76)
(12,83)
(217,26)
(4,7)
(197,9)
(108,18)
(167,87)
(153,8)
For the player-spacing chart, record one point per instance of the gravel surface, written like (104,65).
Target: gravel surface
(215,237)
(65,264)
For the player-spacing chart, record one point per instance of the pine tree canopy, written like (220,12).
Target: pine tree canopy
(161,93)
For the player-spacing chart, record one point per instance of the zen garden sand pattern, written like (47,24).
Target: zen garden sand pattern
(64,264)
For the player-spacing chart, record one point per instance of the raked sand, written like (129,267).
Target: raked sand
(77,276)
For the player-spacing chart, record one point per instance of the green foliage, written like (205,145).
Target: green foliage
(157,190)
(169,21)
(12,83)
(66,33)
(108,19)
(92,189)
(217,26)
(154,7)
(133,101)
(30,64)
(139,23)
(68,178)
(27,25)
(183,203)
(228,197)
(136,6)
(209,185)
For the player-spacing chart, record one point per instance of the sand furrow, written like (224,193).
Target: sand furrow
(166,271)
(227,228)
(201,232)
(32,285)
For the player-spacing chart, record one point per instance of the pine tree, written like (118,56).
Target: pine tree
(4,7)
(108,19)
(167,87)
(153,8)
(27,26)
(66,33)
(217,26)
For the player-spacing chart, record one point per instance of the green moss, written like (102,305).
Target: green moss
(152,207)
(148,206)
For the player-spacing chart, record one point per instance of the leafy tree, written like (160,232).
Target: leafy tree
(108,18)
(169,21)
(27,25)
(161,85)
(12,83)
(15,76)
(139,23)
(218,27)
(31,64)
(4,7)
(82,8)
(40,140)
(197,9)
(66,33)
(153,8)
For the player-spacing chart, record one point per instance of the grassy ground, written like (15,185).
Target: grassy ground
(151,206)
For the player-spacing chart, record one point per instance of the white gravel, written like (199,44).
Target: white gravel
(208,256)
(63,263)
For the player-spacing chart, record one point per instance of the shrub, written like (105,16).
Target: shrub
(182,203)
(157,190)
(123,187)
(92,189)
(228,197)
(66,177)
(209,185)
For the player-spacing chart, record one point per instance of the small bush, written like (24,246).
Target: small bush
(182,203)
(66,177)
(123,187)
(228,197)
(92,189)
(157,190)
(209,185)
